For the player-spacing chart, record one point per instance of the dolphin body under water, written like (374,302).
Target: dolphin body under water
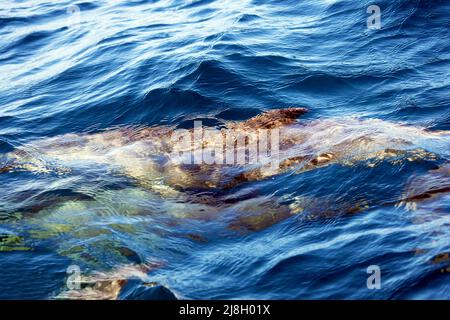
(147,154)
(154,157)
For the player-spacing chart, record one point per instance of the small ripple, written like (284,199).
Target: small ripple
(197,3)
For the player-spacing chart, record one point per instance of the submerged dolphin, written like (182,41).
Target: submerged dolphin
(155,157)
(147,154)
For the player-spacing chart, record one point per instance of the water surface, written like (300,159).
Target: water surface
(84,67)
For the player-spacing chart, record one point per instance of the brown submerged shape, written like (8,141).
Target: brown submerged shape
(145,155)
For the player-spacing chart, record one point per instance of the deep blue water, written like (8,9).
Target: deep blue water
(82,67)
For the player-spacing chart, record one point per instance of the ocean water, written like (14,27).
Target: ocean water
(72,67)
